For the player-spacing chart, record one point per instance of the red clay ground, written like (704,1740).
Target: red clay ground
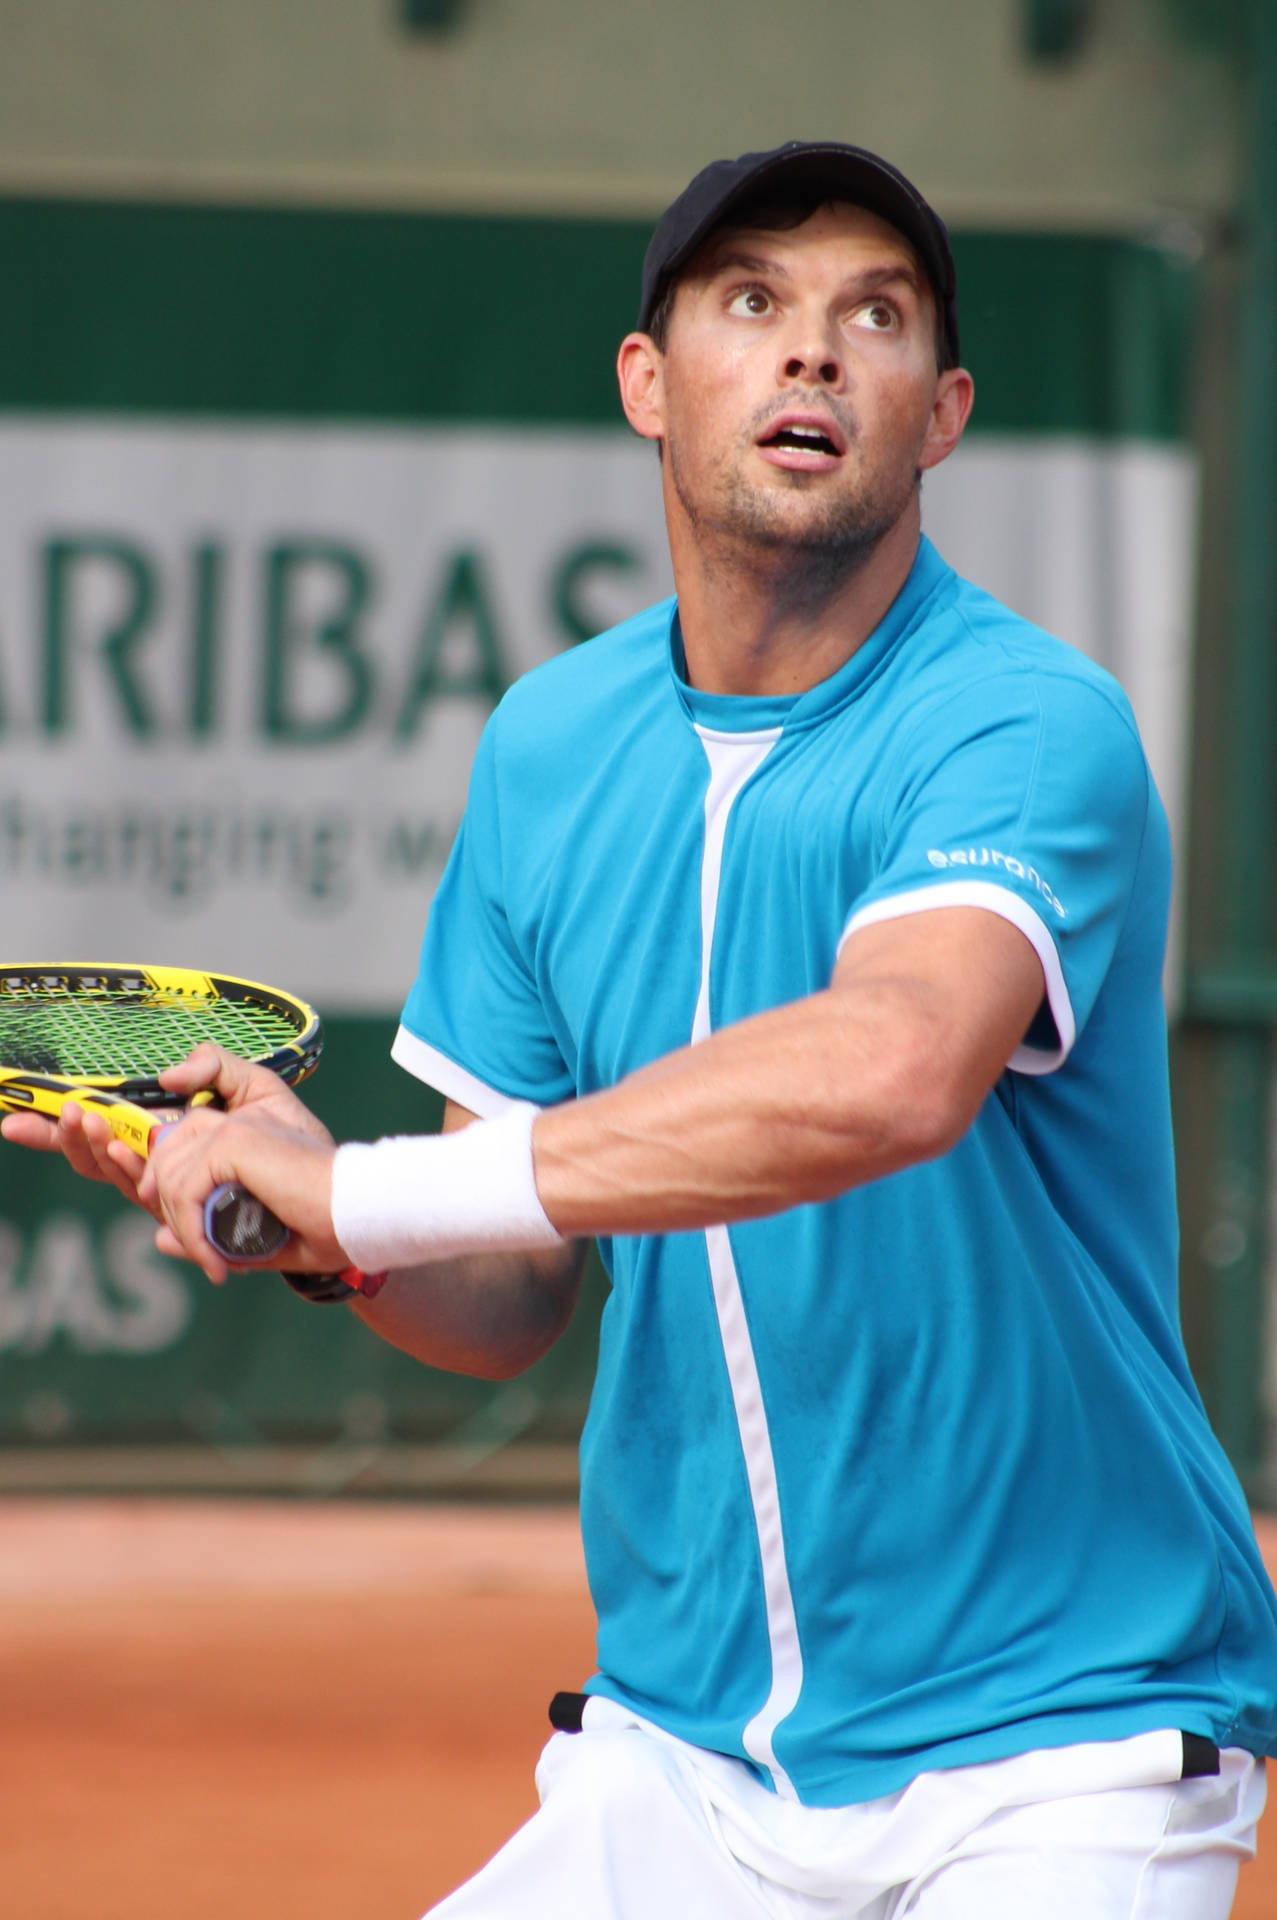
(284,1712)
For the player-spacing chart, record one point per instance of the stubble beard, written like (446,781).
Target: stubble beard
(810,555)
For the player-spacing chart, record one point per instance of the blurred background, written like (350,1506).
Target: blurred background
(309,444)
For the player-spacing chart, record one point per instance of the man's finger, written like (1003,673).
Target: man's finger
(168,1242)
(131,1166)
(31,1130)
(212,1069)
(184,1167)
(82,1138)
(206,1067)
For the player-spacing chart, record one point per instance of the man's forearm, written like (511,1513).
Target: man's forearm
(484,1314)
(885,1068)
(792,1106)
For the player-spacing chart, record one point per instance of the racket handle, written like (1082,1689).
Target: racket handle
(245,1232)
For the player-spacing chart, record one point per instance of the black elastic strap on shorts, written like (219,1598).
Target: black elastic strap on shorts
(566,1710)
(1201,1756)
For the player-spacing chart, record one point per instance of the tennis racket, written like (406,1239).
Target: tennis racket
(102,1035)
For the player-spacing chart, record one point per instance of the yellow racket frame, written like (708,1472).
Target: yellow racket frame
(122,1099)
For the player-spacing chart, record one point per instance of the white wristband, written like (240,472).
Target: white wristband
(418,1197)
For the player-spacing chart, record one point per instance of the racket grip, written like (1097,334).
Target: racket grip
(245,1233)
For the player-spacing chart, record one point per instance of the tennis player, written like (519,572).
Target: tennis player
(803,942)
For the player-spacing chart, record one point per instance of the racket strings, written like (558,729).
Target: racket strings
(126,1036)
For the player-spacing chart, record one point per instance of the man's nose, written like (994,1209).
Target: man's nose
(810,355)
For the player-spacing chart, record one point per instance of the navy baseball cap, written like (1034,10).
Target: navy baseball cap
(837,172)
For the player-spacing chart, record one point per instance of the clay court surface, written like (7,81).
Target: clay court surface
(272,1711)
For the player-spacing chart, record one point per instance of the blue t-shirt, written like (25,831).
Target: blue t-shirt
(917,1477)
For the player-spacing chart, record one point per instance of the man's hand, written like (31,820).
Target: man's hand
(286,1165)
(262,1117)
(86,1143)
(91,1149)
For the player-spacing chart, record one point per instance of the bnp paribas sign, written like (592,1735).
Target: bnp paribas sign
(243,668)
(243,672)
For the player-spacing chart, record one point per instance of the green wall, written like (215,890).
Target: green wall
(181,310)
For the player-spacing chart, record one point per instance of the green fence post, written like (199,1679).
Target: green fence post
(1239,997)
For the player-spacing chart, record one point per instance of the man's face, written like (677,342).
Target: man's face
(798,388)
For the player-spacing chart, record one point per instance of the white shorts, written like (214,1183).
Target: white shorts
(636,1825)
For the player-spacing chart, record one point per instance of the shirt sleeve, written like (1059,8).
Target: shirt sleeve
(475,1025)
(1031,799)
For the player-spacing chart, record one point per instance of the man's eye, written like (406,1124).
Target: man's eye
(750,300)
(878,315)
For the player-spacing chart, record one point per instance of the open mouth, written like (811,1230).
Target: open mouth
(802,439)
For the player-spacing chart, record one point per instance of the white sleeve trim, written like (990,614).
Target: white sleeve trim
(1008,906)
(438,1071)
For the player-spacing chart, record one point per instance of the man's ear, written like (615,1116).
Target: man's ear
(640,374)
(950,411)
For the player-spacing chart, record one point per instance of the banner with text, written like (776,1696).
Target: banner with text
(243,671)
